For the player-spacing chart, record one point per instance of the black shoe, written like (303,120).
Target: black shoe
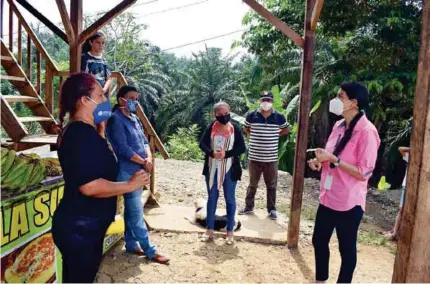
(245,211)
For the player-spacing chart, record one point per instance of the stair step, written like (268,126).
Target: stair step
(12,78)
(6,58)
(23,99)
(40,139)
(35,118)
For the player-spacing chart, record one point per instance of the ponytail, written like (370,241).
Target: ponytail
(348,134)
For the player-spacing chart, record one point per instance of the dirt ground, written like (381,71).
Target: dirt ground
(180,182)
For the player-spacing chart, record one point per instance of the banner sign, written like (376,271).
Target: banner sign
(28,253)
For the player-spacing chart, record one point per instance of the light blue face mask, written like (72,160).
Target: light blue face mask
(131,105)
(102,112)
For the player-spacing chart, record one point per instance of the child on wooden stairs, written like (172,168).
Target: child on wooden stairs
(93,62)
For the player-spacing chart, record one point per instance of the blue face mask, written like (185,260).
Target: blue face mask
(102,112)
(131,105)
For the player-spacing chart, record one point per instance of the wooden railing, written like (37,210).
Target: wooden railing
(43,63)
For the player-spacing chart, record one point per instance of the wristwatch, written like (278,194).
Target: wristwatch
(337,163)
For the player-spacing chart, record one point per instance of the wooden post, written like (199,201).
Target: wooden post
(19,43)
(10,28)
(66,21)
(49,95)
(38,71)
(1,17)
(29,58)
(75,48)
(152,181)
(302,134)
(413,250)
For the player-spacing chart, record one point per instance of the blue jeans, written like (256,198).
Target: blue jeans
(136,232)
(229,188)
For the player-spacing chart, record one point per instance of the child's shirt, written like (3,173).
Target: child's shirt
(96,65)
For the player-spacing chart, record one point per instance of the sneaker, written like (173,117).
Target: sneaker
(273,215)
(245,211)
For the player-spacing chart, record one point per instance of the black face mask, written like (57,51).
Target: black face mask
(224,119)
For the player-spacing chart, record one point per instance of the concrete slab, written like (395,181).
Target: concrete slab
(255,228)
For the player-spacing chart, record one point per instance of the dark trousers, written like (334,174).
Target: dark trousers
(346,224)
(81,245)
(270,175)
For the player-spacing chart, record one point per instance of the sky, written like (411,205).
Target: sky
(198,20)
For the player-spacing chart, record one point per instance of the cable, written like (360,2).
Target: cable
(175,8)
(203,40)
(97,14)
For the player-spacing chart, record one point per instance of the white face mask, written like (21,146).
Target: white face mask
(266,106)
(336,106)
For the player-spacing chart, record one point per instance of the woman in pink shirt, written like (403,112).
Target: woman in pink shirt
(347,162)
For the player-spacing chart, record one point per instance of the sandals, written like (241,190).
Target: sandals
(206,238)
(229,240)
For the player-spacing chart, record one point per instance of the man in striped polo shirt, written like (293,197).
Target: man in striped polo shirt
(264,126)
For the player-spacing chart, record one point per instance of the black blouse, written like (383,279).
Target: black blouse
(84,157)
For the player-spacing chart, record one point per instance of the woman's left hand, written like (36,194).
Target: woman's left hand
(323,155)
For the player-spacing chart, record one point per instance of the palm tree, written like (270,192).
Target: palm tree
(208,79)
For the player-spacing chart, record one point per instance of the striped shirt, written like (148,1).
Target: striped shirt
(264,139)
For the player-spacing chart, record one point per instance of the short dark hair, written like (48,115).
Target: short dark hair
(122,92)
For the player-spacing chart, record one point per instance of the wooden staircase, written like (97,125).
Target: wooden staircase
(30,91)
(13,124)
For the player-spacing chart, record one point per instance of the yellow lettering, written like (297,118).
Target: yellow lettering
(42,210)
(53,201)
(4,237)
(19,223)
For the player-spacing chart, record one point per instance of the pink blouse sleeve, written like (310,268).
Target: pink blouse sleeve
(367,152)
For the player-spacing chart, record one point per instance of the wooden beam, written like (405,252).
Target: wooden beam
(152,178)
(43,19)
(10,27)
(23,99)
(38,71)
(413,250)
(49,89)
(109,16)
(302,134)
(316,13)
(76,18)
(29,58)
(1,17)
(12,78)
(14,128)
(19,43)
(66,21)
(33,36)
(280,25)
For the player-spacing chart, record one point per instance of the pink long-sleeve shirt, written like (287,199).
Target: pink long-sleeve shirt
(346,191)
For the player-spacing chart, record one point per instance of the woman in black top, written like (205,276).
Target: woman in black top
(222,143)
(90,170)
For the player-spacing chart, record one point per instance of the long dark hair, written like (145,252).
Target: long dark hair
(358,92)
(76,86)
(121,94)
(87,46)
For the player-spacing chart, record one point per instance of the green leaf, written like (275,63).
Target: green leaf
(315,108)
